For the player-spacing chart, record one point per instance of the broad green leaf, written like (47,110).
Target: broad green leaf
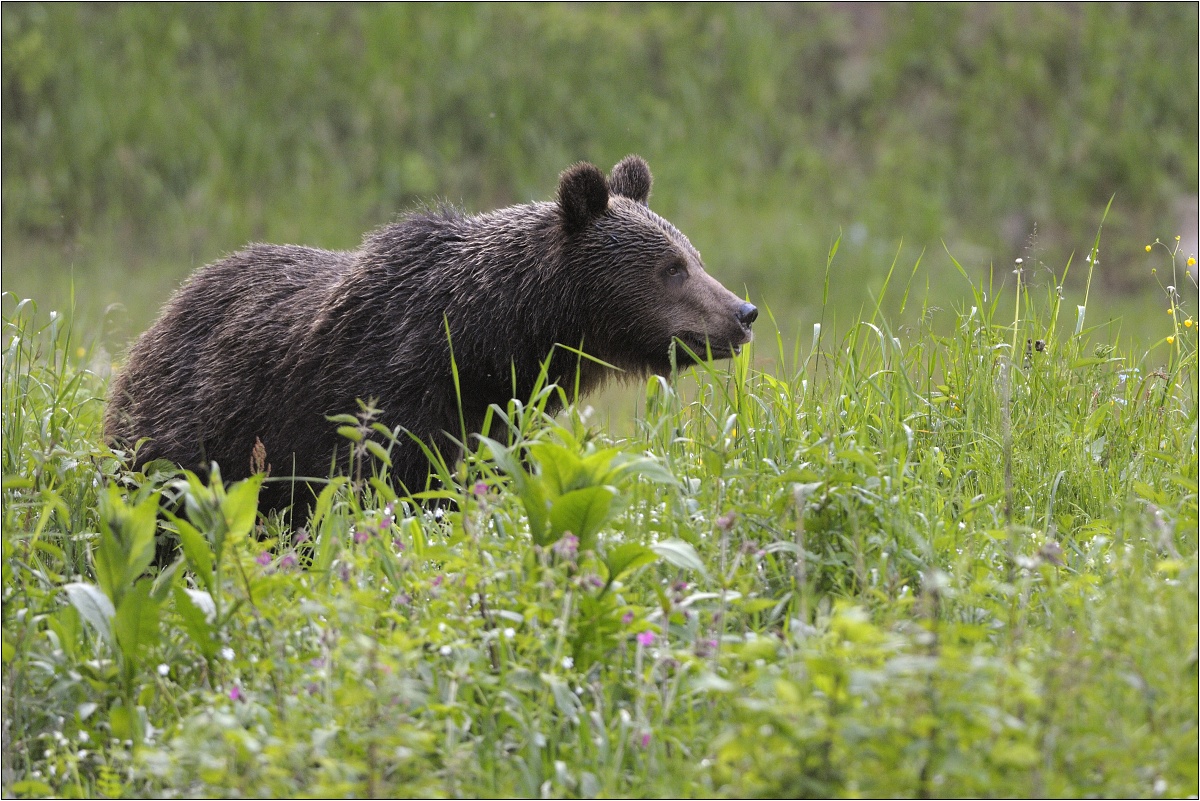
(566,701)
(241,506)
(93,605)
(197,551)
(67,625)
(680,554)
(507,462)
(126,544)
(198,612)
(626,465)
(384,431)
(583,512)
(165,580)
(109,561)
(198,499)
(32,788)
(708,682)
(558,468)
(626,558)
(121,720)
(599,467)
(378,451)
(753,605)
(533,498)
(136,623)
(351,433)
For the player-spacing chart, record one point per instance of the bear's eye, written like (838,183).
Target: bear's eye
(675,268)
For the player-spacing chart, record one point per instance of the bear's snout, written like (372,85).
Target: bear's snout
(747,313)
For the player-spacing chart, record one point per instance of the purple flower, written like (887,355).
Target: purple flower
(360,536)
(567,547)
(437,580)
(645,637)
(235,694)
(301,535)
(626,618)
(645,739)
(480,489)
(288,561)
(592,580)
(398,543)
(263,559)
(313,688)
(726,521)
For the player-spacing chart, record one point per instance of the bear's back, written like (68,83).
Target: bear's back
(228,334)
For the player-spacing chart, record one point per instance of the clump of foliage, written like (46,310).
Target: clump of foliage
(954,559)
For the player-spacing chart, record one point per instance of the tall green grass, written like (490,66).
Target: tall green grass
(957,558)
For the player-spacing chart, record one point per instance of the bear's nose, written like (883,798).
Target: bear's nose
(747,313)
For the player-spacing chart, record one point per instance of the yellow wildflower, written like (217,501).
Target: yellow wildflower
(1170,340)
(1176,237)
(1188,322)
(1147,248)
(1171,310)
(1191,261)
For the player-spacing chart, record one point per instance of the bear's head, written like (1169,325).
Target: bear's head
(645,283)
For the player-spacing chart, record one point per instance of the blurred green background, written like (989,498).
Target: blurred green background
(141,141)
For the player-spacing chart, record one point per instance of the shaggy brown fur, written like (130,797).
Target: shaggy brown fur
(267,342)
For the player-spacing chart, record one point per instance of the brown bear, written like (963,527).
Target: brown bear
(266,343)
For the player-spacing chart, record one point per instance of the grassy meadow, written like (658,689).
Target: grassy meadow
(953,560)
(933,534)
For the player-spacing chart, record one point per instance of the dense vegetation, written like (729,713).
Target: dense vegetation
(956,560)
(936,537)
(140,141)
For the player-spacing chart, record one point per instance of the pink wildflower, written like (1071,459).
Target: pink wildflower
(567,547)
(645,638)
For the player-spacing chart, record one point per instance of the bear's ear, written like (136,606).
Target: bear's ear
(631,179)
(582,195)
